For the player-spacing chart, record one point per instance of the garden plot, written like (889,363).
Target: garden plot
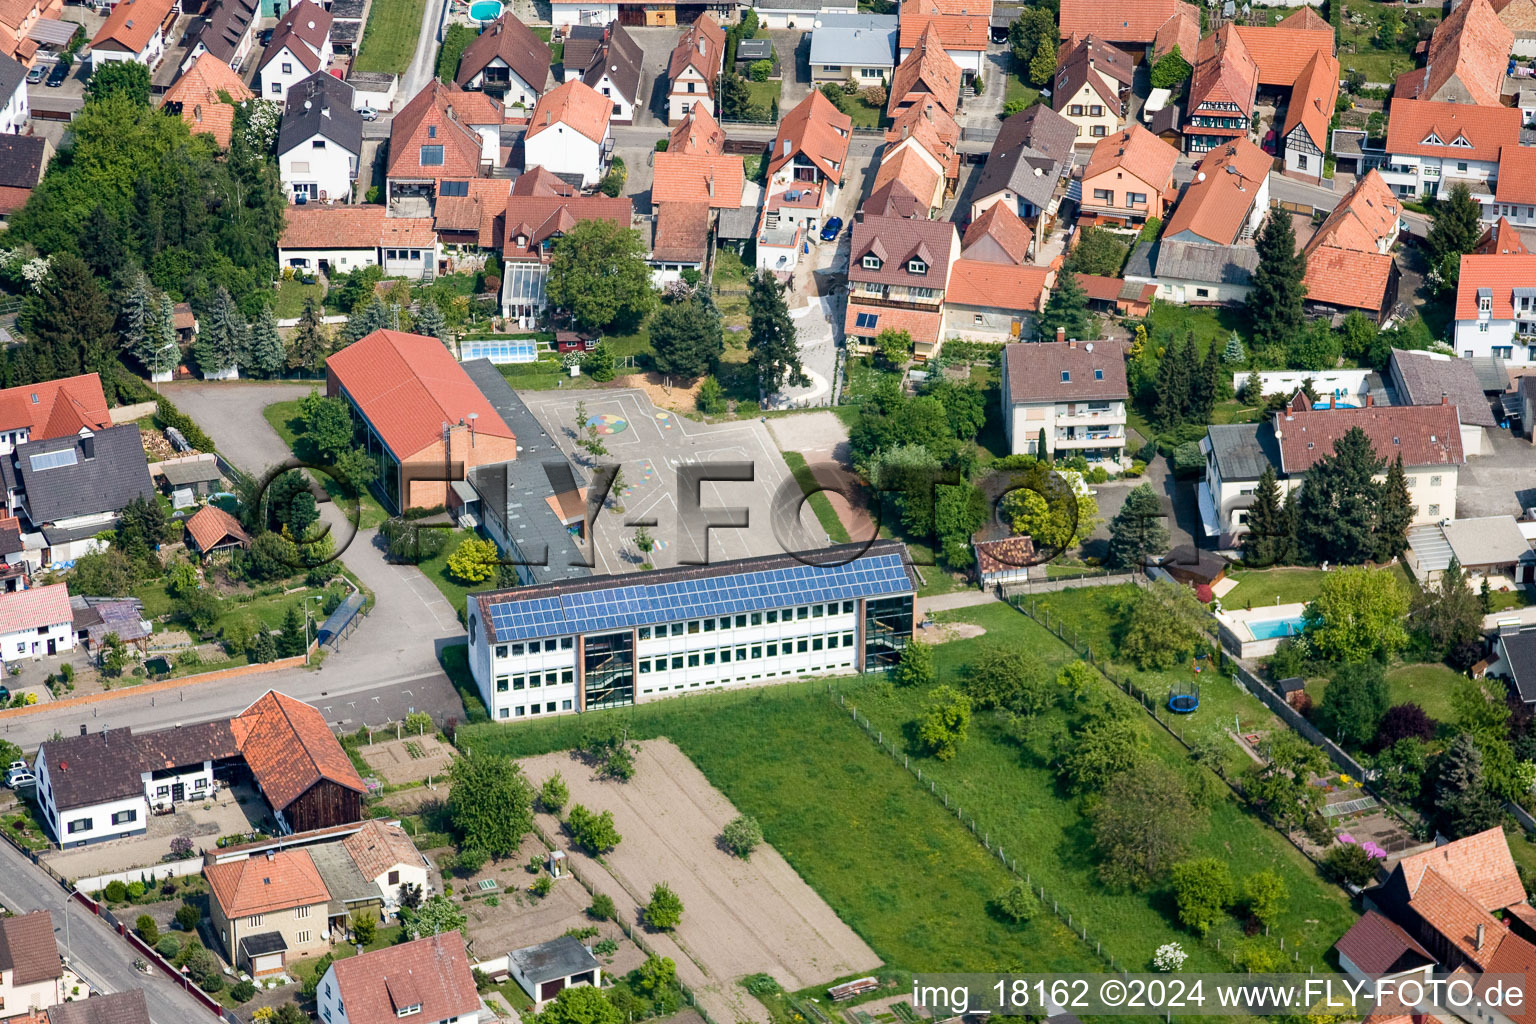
(409,759)
(740,917)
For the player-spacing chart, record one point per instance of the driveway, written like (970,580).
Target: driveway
(656,44)
(793,48)
(1177,498)
(983,111)
(424,61)
(1498,482)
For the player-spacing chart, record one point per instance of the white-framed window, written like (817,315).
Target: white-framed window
(916,266)
(302,937)
(254,920)
(1434,481)
(301,912)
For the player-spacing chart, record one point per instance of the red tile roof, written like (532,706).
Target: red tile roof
(262,884)
(1034,371)
(1517,175)
(576,105)
(1224,72)
(1313,98)
(1479,864)
(303,31)
(211,526)
(408,386)
(1130,21)
(432,972)
(131,25)
(1282,52)
(1007,554)
(508,38)
(379,847)
(540,181)
(1486,129)
(1003,286)
(999,223)
(55,408)
(1468,54)
(682,233)
(923,326)
(1349,278)
(480,211)
(1365,219)
(196,96)
(536,218)
(982,7)
(1182,29)
(933,127)
(702,47)
(1453,913)
(698,132)
(715,181)
(1500,239)
(928,70)
(28,949)
(1216,207)
(818,130)
(1377,946)
(1501,274)
(1305,17)
(441,115)
(344,226)
(1135,151)
(918,175)
(1424,435)
(1516,957)
(957,31)
(1081,65)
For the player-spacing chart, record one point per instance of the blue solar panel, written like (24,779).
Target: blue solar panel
(625,605)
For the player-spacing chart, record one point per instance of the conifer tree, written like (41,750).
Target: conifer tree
(1396,514)
(1267,541)
(1275,299)
(267,351)
(221,336)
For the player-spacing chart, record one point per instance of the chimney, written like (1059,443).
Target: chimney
(1480,932)
(1368,401)
(1444,400)
(1061,335)
(451,115)
(1072,343)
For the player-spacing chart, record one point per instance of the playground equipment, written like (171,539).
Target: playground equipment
(1184,698)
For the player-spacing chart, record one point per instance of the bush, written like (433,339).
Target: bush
(602,907)
(187,917)
(244,992)
(665,910)
(1349,863)
(168,946)
(147,929)
(135,891)
(760,70)
(742,835)
(115,892)
(542,886)
(212,981)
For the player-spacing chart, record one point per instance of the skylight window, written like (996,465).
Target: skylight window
(53,460)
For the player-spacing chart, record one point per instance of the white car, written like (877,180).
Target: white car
(17,766)
(367,113)
(20,780)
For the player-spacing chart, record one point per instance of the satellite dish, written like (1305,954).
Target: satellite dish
(1088,347)
(1200,176)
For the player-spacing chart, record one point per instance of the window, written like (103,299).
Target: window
(550,678)
(773,615)
(517,649)
(645,632)
(817,611)
(277,87)
(816,643)
(1098,131)
(709,657)
(124,817)
(757,651)
(1096,110)
(1135,199)
(567,675)
(977,319)
(1076,110)
(565,705)
(301,912)
(1202,293)
(677,661)
(1104,195)
(453,188)
(432,131)
(518,682)
(162,791)
(645,666)
(1066,376)
(725,655)
(693,627)
(501,684)
(800,646)
(693,660)
(773,650)
(521,711)
(549,645)
(394,876)
(916,266)
(709,625)
(501,650)
(1434,481)
(1099,375)
(757,618)
(870,261)
(431,156)
(303,938)
(677,629)
(1301,161)
(800,613)
(1461,165)
(832,67)
(254,920)
(1434,510)
(847,607)
(725,622)
(200,783)
(78,825)
(287,68)
(867,321)
(741,621)
(832,642)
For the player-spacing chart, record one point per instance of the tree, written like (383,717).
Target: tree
(1141,824)
(1463,802)
(1339,501)
(1356,701)
(1267,541)
(1171,69)
(944,721)
(130,80)
(1275,299)
(1202,890)
(1480,710)
(1206,387)
(1282,786)
(1006,677)
(221,337)
(742,835)
(711,397)
(311,339)
(1098,251)
(657,974)
(148,930)
(1358,614)
(371,315)
(1456,226)
(364,925)
(916,668)
(1313,347)
(145,520)
(1043,65)
(1400,768)
(958,512)
(1067,308)
(162,349)
(1404,721)
(599,364)
(1016,904)
(554,793)
(1357,335)
(431,322)
(592,830)
(1234,352)
(687,337)
(267,353)
(1106,744)
(1395,514)
(894,347)
(598,272)
(200,610)
(1265,895)
(1027,30)
(602,907)
(102,574)
(134,319)
(664,912)
(474,560)
(490,803)
(581,1004)
(435,915)
(1174,383)
(1136,533)
(1044,505)
(773,343)
(1448,614)
(735,97)
(1162,625)
(294,637)
(69,319)
(1351,864)
(1077,679)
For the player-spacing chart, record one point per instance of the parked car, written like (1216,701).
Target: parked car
(833,226)
(38,72)
(21,780)
(5,695)
(367,113)
(57,76)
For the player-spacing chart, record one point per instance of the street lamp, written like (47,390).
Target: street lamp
(312,597)
(68,949)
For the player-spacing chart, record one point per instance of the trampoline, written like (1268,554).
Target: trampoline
(1184,698)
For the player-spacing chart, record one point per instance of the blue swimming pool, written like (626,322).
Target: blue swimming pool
(483,11)
(1269,629)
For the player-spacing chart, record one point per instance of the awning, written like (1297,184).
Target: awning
(52,32)
(1210,520)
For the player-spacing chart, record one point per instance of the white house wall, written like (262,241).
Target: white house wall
(563,150)
(330,168)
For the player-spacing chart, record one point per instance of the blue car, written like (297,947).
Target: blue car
(833,226)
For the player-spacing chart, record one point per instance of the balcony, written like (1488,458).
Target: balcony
(876,299)
(1086,416)
(1094,440)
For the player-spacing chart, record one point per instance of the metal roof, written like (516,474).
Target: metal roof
(1430,547)
(1487,541)
(1242,450)
(854,39)
(553,960)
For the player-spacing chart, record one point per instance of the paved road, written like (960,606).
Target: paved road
(95,951)
(424,62)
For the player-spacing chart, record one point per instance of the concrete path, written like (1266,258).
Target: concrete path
(424,61)
(958,599)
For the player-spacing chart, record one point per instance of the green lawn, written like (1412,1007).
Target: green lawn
(291,296)
(864,114)
(1018,89)
(820,503)
(883,853)
(284,418)
(1428,686)
(389,38)
(1167,321)
(436,570)
(556,50)
(1259,587)
(763,94)
(1360,45)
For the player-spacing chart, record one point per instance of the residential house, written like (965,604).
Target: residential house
(997,236)
(227,30)
(610,61)
(471,224)
(806,163)
(385,856)
(31,973)
(24,160)
(402,388)
(210,530)
(508,61)
(1131,27)
(1467,56)
(1180,30)
(1428,437)
(1072,392)
(36,622)
(319,141)
(339,239)
(1496,308)
(17,21)
(198,96)
(1515,660)
(1519,16)
(126,1007)
(268,908)
(688,192)
(568,133)
(699,133)
(1093,82)
(427,980)
(920,175)
(1222,90)
(1514,194)
(694,67)
(1424,378)
(1500,238)
(854,48)
(898,270)
(1227,200)
(443,134)
(16,109)
(68,489)
(1030,157)
(927,126)
(1349,258)
(1431,144)
(964,36)
(300,47)
(1375,947)
(994,301)
(801,14)
(135,30)
(51,409)
(1129,178)
(297,764)
(1308,115)
(540,209)
(926,71)
(545,970)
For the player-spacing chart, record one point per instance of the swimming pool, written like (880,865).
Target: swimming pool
(483,11)
(1269,629)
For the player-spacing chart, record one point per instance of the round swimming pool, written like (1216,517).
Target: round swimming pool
(482,12)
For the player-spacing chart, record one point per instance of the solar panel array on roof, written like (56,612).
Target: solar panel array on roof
(591,610)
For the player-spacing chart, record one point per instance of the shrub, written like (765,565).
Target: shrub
(1349,863)
(471,860)
(606,947)
(554,793)
(542,885)
(168,946)
(602,907)
(187,917)
(115,892)
(364,928)
(211,981)
(244,992)
(135,891)
(665,911)
(147,929)
(742,835)
(760,70)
